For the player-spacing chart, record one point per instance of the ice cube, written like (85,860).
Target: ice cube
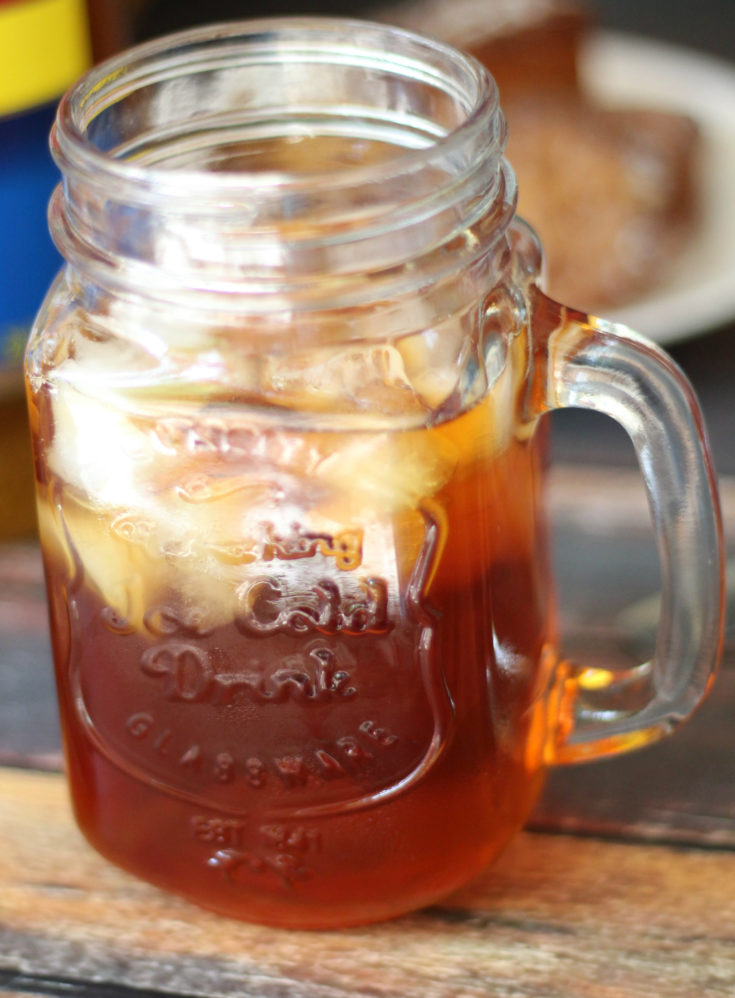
(363,377)
(111,557)
(97,448)
(376,475)
(433,360)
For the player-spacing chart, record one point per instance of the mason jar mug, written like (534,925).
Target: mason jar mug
(288,401)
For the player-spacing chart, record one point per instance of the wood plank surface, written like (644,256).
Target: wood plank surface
(558,917)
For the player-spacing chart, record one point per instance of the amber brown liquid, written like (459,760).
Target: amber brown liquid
(331,754)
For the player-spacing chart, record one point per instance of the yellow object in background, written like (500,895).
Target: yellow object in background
(44,46)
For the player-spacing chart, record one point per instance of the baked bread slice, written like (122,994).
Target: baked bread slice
(610,193)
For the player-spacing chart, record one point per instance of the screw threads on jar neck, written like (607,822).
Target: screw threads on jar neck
(313,162)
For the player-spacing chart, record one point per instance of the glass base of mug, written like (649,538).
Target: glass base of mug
(338,872)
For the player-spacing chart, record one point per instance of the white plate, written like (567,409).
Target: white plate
(699,291)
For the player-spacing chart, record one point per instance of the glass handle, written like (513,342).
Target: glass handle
(584,362)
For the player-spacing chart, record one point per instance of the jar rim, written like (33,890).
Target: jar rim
(188,52)
(421,170)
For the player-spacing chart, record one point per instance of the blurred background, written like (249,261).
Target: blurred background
(46,44)
(707,25)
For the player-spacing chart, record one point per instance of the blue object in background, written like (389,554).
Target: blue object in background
(44,46)
(28,258)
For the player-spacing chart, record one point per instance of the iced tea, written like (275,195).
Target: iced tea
(301,670)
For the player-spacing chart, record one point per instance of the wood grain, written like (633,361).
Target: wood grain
(558,917)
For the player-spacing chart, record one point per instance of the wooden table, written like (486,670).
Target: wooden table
(623,885)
